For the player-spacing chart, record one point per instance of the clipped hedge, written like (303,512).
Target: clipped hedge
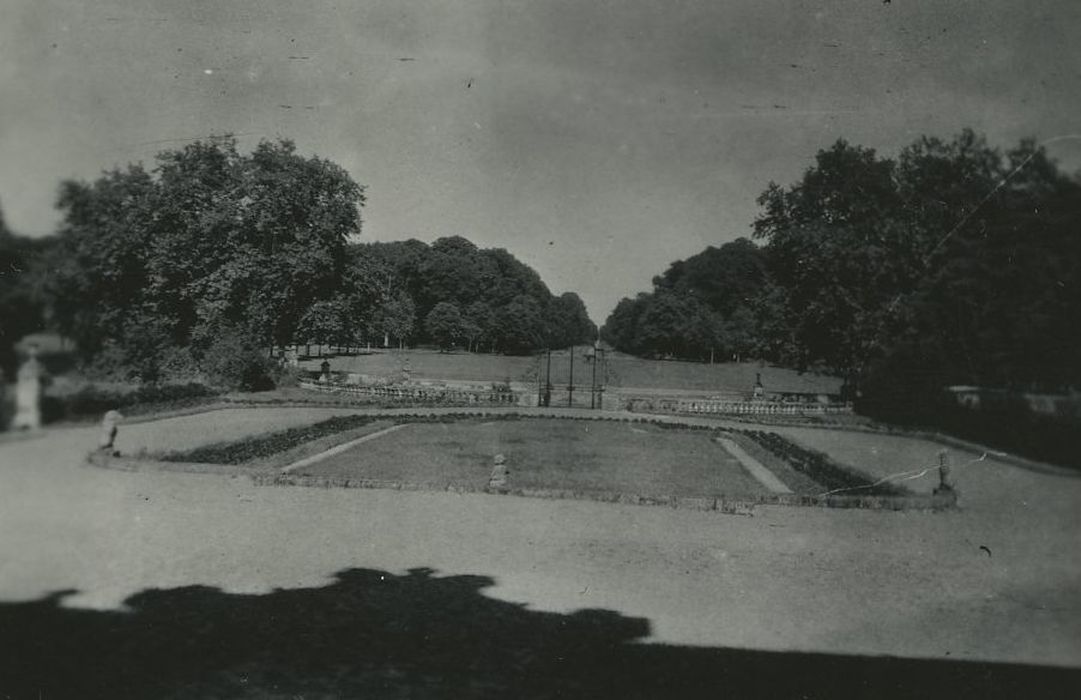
(261,446)
(820,468)
(92,401)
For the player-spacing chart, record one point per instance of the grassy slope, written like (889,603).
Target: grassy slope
(623,371)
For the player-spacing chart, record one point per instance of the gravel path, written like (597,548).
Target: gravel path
(998,579)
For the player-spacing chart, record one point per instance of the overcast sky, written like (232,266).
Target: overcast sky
(597,140)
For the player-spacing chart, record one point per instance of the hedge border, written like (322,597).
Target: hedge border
(273,477)
(741,506)
(820,468)
(265,473)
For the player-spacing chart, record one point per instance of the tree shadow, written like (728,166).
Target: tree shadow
(374,634)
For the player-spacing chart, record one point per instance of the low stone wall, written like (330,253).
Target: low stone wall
(745,506)
(697,406)
(422,395)
(611,400)
(269,473)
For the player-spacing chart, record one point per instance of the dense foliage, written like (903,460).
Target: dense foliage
(453,293)
(201,265)
(22,308)
(700,307)
(955,263)
(92,401)
(210,243)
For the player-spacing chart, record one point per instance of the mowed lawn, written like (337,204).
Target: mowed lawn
(622,370)
(581,455)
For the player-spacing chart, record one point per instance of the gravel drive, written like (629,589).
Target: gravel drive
(998,579)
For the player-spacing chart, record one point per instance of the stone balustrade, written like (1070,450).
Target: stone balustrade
(728,407)
(424,395)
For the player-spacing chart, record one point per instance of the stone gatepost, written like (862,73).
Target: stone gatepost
(945,482)
(28,393)
(758,391)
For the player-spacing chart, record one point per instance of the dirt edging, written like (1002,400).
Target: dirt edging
(270,476)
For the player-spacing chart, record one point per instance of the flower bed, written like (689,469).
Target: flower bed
(267,445)
(820,468)
(261,446)
(262,456)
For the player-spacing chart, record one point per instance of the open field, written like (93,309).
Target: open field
(623,371)
(550,454)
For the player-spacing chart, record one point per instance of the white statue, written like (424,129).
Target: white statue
(28,390)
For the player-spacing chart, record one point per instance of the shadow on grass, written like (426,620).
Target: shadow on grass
(373,634)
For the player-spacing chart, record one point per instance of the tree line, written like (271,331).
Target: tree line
(954,263)
(453,293)
(213,257)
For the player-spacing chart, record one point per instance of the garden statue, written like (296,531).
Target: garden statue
(945,483)
(324,372)
(499,473)
(291,359)
(108,430)
(28,390)
(759,390)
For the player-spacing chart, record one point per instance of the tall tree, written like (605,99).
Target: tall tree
(209,239)
(520,326)
(568,322)
(725,278)
(444,325)
(830,239)
(397,317)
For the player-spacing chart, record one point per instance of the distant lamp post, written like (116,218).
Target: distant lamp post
(545,398)
(570,384)
(596,399)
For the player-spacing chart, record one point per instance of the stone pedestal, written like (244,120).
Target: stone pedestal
(946,488)
(498,479)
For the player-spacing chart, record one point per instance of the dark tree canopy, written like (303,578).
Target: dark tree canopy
(156,270)
(444,324)
(724,278)
(700,307)
(502,303)
(568,322)
(210,239)
(954,263)
(22,309)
